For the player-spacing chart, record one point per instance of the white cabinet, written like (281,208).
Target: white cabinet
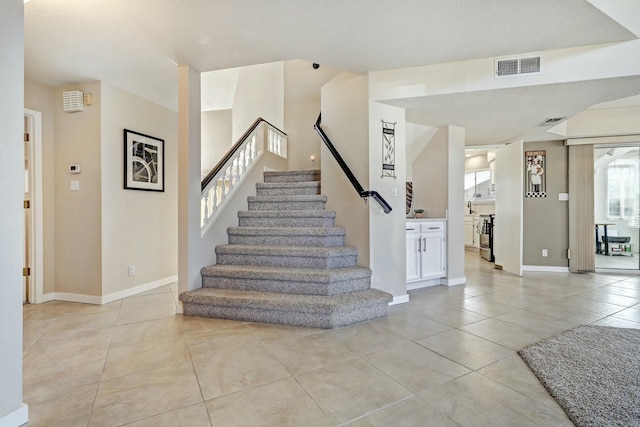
(426,250)
(469,230)
(471,235)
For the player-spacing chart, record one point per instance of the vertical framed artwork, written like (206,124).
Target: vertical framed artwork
(388,149)
(536,179)
(143,162)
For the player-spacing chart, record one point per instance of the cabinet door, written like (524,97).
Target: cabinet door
(469,231)
(413,256)
(432,255)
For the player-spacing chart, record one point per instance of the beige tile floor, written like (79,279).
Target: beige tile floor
(446,358)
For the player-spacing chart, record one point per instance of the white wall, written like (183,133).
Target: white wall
(12,412)
(139,228)
(345,120)
(78,214)
(430,173)
(418,136)
(302,85)
(216,138)
(259,93)
(218,89)
(604,122)
(387,234)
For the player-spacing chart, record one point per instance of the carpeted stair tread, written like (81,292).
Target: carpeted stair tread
(287,188)
(287,280)
(287,231)
(280,203)
(290,236)
(286,302)
(288,256)
(292,176)
(287,218)
(294,198)
(299,274)
(301,251)
(287,236)
(287,214)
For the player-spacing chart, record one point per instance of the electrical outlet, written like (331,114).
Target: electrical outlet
(545,252)
(132,270)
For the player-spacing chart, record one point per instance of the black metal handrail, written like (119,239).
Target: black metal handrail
(220,165)
(354,181)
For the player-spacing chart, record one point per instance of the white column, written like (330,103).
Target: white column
(188,179)
(455,191)
(12,411)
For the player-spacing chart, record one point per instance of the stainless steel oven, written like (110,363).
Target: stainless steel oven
(486,237)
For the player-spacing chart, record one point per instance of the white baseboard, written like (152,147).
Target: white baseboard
(105,299)
(138,289)
(45,298)
(64,296)
(547,268)
(453,282)
(411,286)
(16,418)
(400,299)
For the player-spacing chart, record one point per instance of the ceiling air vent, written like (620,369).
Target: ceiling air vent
(551,121)
(517,66)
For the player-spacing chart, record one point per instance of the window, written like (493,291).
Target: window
(622,188)
(477,186)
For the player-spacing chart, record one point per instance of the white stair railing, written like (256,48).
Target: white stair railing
(221,183)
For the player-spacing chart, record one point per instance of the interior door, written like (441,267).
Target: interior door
(507,230)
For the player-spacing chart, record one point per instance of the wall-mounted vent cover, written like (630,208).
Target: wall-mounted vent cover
(517,66)
(73,101)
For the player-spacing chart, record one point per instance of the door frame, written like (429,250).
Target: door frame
(36,285)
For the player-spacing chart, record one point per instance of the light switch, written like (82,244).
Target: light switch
(75,185)
(394,191)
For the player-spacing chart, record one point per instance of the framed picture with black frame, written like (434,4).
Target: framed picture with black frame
(143,162)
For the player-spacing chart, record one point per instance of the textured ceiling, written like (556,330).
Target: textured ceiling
(136,44)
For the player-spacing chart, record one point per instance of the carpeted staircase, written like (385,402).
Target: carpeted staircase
(286,263)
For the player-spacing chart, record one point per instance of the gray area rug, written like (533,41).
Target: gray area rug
(593,372)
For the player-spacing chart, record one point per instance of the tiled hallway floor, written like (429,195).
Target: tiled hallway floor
(446,358)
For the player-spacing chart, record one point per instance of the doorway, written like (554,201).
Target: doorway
(33,213)
(617,206)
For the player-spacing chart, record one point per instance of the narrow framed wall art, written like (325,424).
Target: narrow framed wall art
(536,179)
(388,149)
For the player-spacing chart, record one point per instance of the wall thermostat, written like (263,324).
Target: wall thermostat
(75,168)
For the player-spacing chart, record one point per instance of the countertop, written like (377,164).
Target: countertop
(425,219)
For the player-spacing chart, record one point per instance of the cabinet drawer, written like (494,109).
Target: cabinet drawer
(432,227)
